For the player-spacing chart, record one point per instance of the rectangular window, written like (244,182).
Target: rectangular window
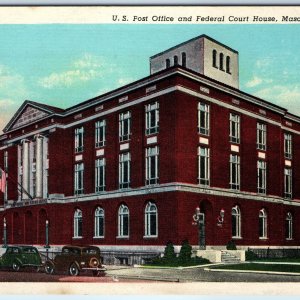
(152,118)
(100,175)
(152,165)
(203,166)
(234,128)
(124,170)
(234,172)
(287,145)
(203,118)
(124,126)
(287,183)
(78,179)
(79,139)
(100,128)
(261,136)
(261,177)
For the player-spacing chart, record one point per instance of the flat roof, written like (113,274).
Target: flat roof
(193,39)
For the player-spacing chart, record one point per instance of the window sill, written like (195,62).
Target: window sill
(263,238)
(124,189)
(150,236)
(152,134)
(203,134)
(151,185)
(289,239)
(99,147)
(77,237)
(124,141)
(237,238)
(100,192)
(98,237)
(123,237)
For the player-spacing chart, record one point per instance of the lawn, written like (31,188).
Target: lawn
(262,267)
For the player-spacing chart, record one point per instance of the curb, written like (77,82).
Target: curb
(274,263)
(176,268)
(153,278)
(253,271)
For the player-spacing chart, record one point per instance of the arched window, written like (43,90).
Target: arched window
(289,226)
(221,63)
(228,65)
(183,59)
(214,58)
(123,221)
(168,64)
(175,60)
(263,224)
(78,223)
(151,228)
(236,221)
(99,222)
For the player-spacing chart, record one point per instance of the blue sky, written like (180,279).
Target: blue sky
(62,65)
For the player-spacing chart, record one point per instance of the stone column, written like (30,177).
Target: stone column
(25,168)
(39,166)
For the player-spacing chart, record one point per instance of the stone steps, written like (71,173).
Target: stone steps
(228,257)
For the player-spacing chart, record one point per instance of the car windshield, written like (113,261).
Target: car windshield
(71,251)
(90,251)
(29,250)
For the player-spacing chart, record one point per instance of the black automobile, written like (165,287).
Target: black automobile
(75,259)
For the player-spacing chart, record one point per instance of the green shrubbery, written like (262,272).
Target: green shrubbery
(250,255)
(231,245)
(183,259)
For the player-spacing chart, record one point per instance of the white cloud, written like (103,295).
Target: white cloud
(4,103)
(7,108)
(254,82)
(88,61)
(68,78)
(123,81)
(82,70)
(282,95)
(263,62)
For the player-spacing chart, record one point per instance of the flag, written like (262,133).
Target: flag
(2,181)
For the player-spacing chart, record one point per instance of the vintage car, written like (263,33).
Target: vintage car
(17,257)
(75,259)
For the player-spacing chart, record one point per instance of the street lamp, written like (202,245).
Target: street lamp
(47,235)
(199,221)
(47,238)
(4,234)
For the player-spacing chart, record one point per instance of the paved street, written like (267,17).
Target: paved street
(130,274)
(199,274)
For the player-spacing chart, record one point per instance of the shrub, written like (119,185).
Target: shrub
(169,253)
(185,251)
(231,245)
(250,255)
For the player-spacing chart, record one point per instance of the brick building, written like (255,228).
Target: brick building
(126,170)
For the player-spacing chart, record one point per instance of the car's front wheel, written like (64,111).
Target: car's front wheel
(49,267)
(73,270)
(16,266)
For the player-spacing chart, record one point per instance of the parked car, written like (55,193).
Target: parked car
(17,257)
(75,259)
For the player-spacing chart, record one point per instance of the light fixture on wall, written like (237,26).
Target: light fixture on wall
(220,219)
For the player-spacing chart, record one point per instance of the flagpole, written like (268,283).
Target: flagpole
(18,184)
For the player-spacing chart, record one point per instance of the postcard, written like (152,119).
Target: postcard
(150,150)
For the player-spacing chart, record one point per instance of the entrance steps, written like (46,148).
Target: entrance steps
(221,256)
(229,258)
